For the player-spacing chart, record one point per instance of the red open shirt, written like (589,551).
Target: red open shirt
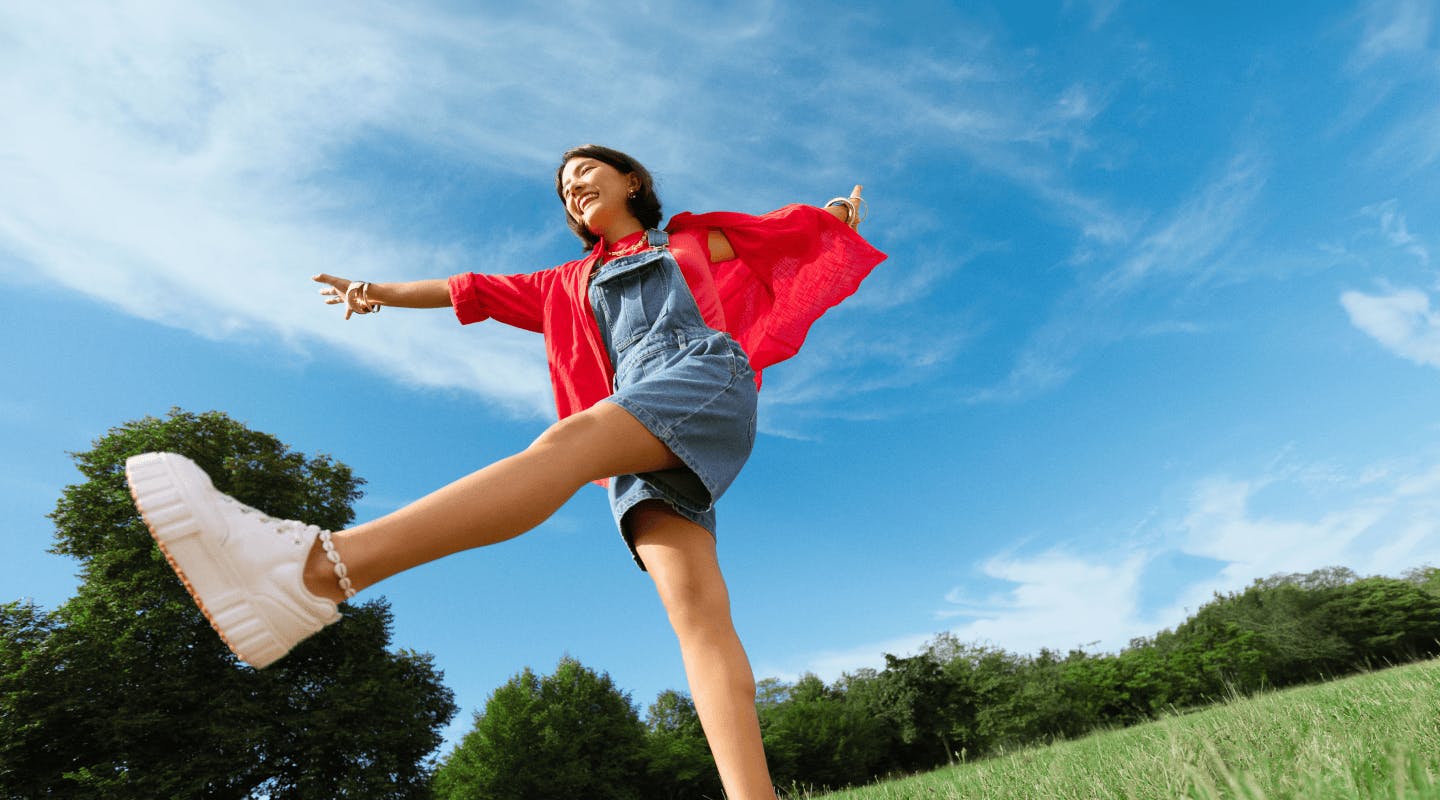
(790,266)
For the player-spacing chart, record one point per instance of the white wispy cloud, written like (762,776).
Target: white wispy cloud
(194,164)
(849,373)
(1381,519)
(1201,228)
(1053,597)
(1184,248)
(1056,600)
(1397,70)
(172,162)
(1047,361)
(1401,320)
(1099,10)
(978,106)
(1395,230)
(1393,27)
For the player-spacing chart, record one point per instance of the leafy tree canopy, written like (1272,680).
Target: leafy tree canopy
(126,692)
(567,734)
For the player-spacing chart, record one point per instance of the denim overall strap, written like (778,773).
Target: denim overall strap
(689,385)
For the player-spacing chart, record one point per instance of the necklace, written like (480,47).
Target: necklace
(643,243)
(630,249)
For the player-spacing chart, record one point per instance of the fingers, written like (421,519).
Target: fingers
(334,293)
(855,193)
(336,287)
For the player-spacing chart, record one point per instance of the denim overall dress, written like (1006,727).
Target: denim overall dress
(690,385)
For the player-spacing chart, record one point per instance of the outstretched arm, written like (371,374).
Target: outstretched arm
(845,209)
(434,293)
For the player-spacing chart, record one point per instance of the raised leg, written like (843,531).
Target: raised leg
(681,559)
(496,503)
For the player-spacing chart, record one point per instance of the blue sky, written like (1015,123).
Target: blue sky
(1158,319)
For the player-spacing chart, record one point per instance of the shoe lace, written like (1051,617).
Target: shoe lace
(296,530)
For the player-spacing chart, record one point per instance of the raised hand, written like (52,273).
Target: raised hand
(344,290)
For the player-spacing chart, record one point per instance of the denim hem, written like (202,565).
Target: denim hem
(649,491)
(667,435)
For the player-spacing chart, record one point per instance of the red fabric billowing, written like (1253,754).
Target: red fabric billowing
(790,267)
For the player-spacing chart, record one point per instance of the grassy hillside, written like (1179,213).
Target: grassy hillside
(1369,736)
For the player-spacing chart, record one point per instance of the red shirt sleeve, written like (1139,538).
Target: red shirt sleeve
(517,300)
(790,267)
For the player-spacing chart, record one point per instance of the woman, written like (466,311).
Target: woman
(655,340)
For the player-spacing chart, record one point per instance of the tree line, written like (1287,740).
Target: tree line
(952,701)
(124,691)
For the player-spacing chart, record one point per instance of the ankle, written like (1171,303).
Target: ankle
(319,575)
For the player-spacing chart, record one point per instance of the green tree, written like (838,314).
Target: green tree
(125,691)
(921,702)
(1096,692)
(866,695)
(1284,630)
(816,738)
(677,756)
(1427,578)
(569,734)
(961,667)
(1267,635)
(1385,621)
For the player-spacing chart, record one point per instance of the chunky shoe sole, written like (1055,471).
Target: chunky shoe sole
(174,497)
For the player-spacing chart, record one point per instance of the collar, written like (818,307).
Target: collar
(603,247)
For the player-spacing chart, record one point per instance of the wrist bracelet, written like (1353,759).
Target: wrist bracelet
(364,306)
(853,207)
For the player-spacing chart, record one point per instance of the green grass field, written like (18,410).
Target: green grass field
(1370,736)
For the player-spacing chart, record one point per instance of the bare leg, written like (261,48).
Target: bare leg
(496,503)
(681,558)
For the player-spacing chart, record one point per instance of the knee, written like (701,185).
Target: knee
(565,434)
(697,607)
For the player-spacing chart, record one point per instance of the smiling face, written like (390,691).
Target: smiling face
(597,195)
(592,169)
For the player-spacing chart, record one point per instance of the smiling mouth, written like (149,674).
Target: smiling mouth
(586,200)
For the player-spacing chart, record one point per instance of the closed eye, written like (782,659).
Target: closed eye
(581,169)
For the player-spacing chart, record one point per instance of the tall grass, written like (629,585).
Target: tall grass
(1370,736)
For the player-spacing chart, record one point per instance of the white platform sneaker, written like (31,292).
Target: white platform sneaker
(244,569)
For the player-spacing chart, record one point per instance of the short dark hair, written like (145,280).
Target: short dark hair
(644,204)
